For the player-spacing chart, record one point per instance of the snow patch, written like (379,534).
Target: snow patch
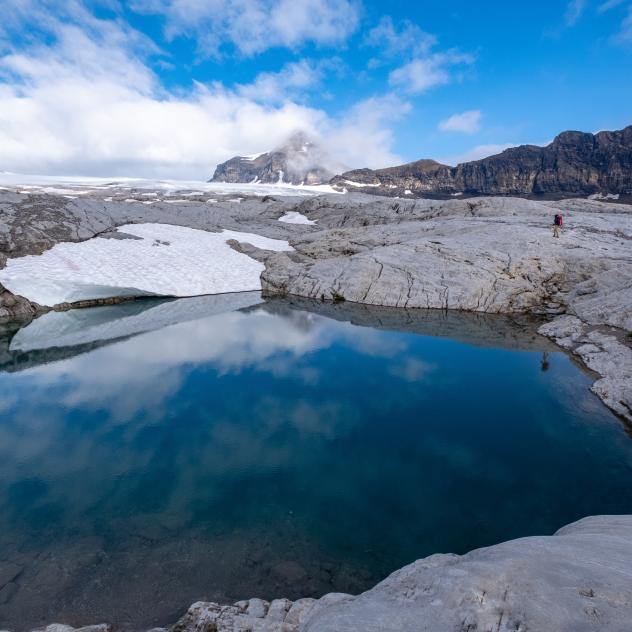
(604,196)
(167,261)
(294,217)
(251,157)
(351,183)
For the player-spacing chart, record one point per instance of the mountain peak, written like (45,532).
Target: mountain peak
(298,160)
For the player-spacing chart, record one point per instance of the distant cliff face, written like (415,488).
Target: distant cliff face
(574,164)
(298,161)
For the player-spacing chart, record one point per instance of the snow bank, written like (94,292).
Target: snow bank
(166,261)
(352,183)
(294,217)
(251,157)
(604,196)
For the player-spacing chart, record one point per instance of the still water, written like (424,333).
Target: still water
(157,453)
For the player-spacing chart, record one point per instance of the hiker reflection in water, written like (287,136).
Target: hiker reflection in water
(544,364)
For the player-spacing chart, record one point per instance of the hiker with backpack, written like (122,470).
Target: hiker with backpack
(558,223)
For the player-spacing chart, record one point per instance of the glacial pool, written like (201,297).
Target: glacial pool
(156,453)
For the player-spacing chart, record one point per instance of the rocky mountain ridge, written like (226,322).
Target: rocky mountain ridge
(299,160)
(574,164)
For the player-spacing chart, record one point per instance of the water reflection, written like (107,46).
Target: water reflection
(227,447)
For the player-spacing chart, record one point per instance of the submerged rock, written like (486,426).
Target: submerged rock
(577,579)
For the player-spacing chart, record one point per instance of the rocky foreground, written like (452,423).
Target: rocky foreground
(579,579)
(492,255)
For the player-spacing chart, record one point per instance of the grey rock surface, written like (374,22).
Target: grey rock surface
(14,307)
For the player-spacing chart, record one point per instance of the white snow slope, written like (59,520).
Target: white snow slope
(167,261)
(294,217)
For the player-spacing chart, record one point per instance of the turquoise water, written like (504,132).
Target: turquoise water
(278,450)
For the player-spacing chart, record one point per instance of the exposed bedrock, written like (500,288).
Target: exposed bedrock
(579,579)
(489,255)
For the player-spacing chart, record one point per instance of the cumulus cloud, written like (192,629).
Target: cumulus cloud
(362,136)
(82,100)
(253,26)
(423,69)
(294,80)
(424,73)
(392,42)
(466,122)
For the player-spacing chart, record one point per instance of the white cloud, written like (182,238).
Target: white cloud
(87,103)
(423,69)
(466,122)
(363,135)
(424,73)
(253,26)
(409,39)
(574,10)
(625,33)
(609,4)
(294,80)
(476,153)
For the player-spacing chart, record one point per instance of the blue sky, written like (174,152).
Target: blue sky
(171,87)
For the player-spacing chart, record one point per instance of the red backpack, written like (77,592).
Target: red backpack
(559,220)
